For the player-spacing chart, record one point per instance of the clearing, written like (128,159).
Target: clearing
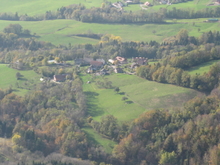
(8,79)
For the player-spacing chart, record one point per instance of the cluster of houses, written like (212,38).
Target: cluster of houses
(96,66)
(118,5)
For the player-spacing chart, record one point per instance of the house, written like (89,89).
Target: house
(17,65)
(129,1)
(212,20)
(121,60)
(147,4)
(95,65)
(100,60)
(118,70)
(111,61)
(52,61)
(59,78)
(140,60)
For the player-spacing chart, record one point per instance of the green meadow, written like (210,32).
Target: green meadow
(143,95)
(8,79)
(36,7)
(63,31)
(200,69)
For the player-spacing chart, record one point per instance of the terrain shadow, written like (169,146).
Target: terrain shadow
(93,108)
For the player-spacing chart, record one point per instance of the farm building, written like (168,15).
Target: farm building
(121,60)
(212,20)
(95,65)
(111,61)
(140,60)
(147,4)
(59,78)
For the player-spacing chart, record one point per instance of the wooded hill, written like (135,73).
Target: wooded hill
(50,122)
(51,117)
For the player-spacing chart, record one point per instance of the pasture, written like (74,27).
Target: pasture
(37,7)
(62,31)
(8,79)
(142,96)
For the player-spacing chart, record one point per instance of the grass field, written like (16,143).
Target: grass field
(200,69)
(60,31)
(35,7)
(143,95)
(8,78)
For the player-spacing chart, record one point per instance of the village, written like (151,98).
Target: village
(100,67)
(144,6)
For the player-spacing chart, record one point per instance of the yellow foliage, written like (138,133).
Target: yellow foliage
(110,38)
(16,138)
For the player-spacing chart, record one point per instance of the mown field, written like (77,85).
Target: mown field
(142,95)
(8,79)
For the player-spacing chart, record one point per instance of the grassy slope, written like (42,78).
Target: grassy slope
(8,77)
(50,30)
(200,69)
(98,139)
(35,7)
(144,94)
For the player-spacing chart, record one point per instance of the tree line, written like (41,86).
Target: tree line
(105,14)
